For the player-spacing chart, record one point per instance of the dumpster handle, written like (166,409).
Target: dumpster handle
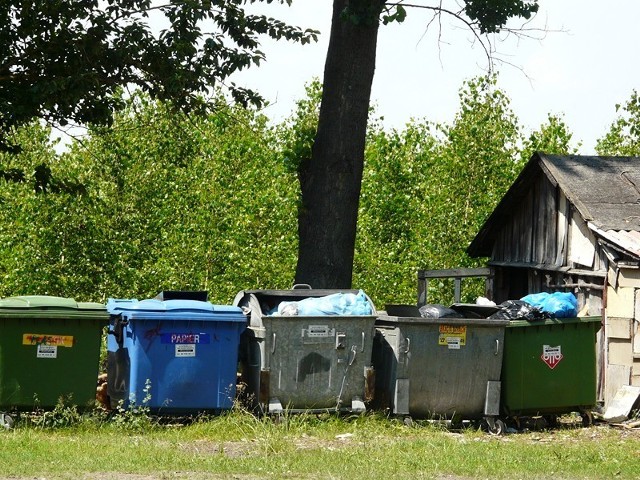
(362,348)
(497,346)
(118,329)
(273,343)
(408,346)
(352,357)
(301,286)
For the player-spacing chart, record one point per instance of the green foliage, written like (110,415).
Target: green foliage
(393,213)
(171,201)
(50,51)
(552,137)
(136,416)
(41,232)
(623,137)
(65,414)
(427,190)
(491,15)
(394,13)
(297,133)
(480,150)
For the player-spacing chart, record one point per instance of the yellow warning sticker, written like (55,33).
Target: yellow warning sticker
(43,339)
(452,336)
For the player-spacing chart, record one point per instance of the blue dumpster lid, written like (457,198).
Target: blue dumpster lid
(176,309)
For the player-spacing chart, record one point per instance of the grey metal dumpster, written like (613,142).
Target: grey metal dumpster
(305,363)
(443,368)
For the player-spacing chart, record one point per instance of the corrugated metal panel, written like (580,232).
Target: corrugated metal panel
(627,240)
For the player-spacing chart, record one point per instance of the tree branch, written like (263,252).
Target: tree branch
(439,10)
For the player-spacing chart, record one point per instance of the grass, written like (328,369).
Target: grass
(239,445)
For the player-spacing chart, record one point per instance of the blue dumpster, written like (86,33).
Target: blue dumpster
(173,356)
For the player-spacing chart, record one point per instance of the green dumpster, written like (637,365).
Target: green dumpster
(49,348)
(549,367)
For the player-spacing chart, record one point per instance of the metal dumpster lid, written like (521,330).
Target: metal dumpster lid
(296,292)
(253,299)
(475,322)
(475,310)
(47,302)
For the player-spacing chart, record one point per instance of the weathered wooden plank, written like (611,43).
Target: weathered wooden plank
(629,277)
(635,329)
(617,376)
(528,218)
(620,302)
(551,224)
(455,272)
(539,223)
(620,352)
(583,244)
(562,230)
(619,327)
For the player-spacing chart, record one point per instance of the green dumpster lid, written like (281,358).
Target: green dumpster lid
(47,302)
(555,321)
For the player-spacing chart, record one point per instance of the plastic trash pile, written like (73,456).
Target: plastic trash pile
(334,304)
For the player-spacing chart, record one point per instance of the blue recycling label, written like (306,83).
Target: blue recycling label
(186,338)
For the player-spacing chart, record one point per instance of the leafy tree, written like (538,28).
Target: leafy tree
(48,235)
(66,60)
(427,189)
(331,179)
(552,137)
(395,233)
(478,161)
(623,137)
(174,202)
(296,134)
(170,202)
(208,202)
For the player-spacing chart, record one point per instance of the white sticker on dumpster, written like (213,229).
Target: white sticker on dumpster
(319,331)
(47,351)
(452,336)
(453,343)
(186,350)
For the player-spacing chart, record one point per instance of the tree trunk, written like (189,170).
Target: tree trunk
(330,181)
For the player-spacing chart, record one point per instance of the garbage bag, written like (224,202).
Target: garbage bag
(334,304)
(557,304)
(519,310)
(437,311)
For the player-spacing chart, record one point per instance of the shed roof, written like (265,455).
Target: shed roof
(604,190)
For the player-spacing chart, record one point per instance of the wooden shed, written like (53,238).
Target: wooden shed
(572,223)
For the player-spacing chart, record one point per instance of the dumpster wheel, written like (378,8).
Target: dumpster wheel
(495,426)
(552,421)
(408,421)
(6,421)
(587,418)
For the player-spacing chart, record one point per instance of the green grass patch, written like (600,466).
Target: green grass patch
(239,445)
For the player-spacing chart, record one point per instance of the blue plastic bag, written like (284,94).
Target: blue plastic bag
(557,304)
(334,304)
